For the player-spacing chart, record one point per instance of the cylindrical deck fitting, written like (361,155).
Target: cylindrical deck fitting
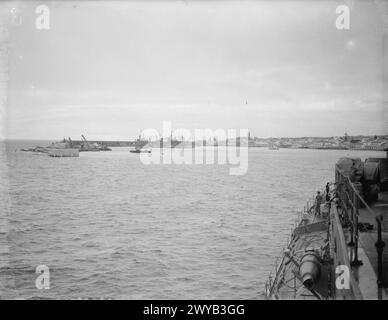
(310,269)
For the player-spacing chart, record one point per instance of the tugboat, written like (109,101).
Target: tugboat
(336,250)
(141,146)
(142,150)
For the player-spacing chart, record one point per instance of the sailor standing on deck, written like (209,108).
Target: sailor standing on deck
(327,192)
(318,202)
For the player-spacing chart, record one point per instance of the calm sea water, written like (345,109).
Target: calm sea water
(108,226)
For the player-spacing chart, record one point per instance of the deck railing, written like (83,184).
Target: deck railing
(350,200)
(274,275)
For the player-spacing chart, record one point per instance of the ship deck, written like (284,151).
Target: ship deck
(367,250)
(311,234)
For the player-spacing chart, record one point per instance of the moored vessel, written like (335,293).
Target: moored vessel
(141,146)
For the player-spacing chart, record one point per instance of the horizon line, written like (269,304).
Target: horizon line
(271,137)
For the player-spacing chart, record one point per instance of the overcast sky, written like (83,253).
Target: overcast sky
(110,69)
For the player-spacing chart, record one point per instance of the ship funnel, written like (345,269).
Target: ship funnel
(310,269)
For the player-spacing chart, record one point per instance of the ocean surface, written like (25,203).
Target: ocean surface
(109,227)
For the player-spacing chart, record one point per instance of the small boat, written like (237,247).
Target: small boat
(273,147)
(142,146)
(146,150)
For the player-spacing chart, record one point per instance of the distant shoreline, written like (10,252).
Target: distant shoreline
(312,143)
(126,144)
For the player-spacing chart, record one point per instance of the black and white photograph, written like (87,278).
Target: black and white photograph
(194,150)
